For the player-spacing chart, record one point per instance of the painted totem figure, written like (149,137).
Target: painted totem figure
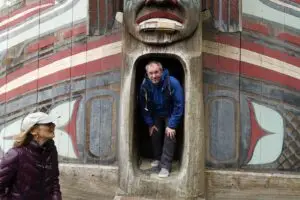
(170,29)
(252,114)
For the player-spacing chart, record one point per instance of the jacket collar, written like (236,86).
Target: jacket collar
(37,147)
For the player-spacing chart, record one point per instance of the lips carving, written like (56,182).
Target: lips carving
(159,14)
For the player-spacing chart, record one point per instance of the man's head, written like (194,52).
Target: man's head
(154,71)
(161,21)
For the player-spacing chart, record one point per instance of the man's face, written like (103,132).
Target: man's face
(154,73)
(161,21)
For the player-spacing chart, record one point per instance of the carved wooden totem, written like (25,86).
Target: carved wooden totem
(170,28)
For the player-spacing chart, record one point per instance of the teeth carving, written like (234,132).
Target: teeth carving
(160,24)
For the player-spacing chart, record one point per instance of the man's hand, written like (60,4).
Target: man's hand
(152,129)
(170,132)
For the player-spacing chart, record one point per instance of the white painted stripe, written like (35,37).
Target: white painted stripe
(252,58)
(23,13)
(262,11)
(210,47)
(1,4)
(62,64)
(285,5)
(221,50)
(42,15)
(61,20)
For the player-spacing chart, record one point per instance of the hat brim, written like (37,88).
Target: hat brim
(46,120)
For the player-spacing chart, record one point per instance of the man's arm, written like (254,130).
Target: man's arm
(144,107)
(178,102)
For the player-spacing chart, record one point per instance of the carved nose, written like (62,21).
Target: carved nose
(174,2)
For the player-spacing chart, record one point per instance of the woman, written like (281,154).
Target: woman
(29,170)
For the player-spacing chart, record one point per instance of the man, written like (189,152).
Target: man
(162,101)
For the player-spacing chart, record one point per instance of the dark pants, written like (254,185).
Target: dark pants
(163,146)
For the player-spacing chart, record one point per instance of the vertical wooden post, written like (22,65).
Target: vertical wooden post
(189,181)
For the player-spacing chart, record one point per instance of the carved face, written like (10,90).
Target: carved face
(161,21)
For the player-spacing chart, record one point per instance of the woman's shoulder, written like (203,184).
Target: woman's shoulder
(15,150)
(10,156)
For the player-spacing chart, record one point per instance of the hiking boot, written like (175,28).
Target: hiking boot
(163,173)
(155,163)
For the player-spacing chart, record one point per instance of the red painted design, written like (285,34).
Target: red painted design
(37,64)
(226,39)
(256,132)
(104,41)
(70,128)
(295,1)
(63,54)
(234,10)
(20,10)
(294,39)
(224,11)
(268,75)
(258,48)
(23,70)
(105,15)
(222,64)
(216,8)
(17,93)
(210,61)
(261,28)
(75,31)
(60,55)
(23,18)
(101,65)
(45,42)
(3,81)
(282,56)
(54,78)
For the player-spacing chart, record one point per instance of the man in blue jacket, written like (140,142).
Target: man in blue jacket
(162,104)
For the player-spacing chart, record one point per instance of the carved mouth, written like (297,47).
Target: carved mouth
(160,21)
(159,14)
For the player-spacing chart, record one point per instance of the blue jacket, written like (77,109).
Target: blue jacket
(166,99)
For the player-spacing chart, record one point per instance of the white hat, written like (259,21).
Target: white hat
(35,118)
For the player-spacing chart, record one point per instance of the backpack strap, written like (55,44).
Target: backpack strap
(169,86)
(145,94)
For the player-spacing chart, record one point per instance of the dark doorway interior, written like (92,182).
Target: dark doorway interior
(141,136)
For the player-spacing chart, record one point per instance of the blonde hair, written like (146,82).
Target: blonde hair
(23,138)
